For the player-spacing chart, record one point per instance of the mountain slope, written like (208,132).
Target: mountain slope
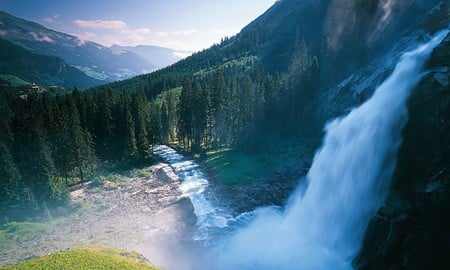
(94,59)
(343,35)
(357,44)
(40,69)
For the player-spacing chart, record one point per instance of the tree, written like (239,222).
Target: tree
(165,124)
(185,114)
(171,114)
(132,150)
(140,116)
(155,124)
(10,190)
(199,107)
(80,152)
(219,101)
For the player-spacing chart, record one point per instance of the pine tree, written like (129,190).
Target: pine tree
(185,114)
(10,190)
(132,150)
(140,116)
(81,155)
(171,114)
(199,116)
(165,124)
(155,124)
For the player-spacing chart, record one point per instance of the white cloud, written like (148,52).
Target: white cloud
(81,40)
(113,32)
(162,34)
(3,33)
(101,24)
(41,38)
(110,32)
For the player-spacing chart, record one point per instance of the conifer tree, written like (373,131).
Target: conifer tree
(132,150)
(199,116)
(171,114)
(165,123)
(185,114)
(10,190)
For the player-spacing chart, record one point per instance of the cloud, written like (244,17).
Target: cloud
(101,24)
(41,38)
(162,34)
(3,33)
(82,40)
(110,32)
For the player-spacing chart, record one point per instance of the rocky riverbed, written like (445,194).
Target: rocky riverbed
(144,214)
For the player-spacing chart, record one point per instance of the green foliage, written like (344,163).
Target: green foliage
(16,232)
(14,81)
(231,166)
(89,257)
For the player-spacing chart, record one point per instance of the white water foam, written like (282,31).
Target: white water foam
(323,227)
(193,185)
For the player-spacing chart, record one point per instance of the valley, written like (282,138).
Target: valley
(314,138)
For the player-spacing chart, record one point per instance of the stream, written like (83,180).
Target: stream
(212,217)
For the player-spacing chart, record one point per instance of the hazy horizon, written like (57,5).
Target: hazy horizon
(179,25)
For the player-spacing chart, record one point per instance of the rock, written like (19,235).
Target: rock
(412,230)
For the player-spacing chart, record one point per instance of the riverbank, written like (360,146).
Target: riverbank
(143,214)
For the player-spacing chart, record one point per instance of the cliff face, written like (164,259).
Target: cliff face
(411,230)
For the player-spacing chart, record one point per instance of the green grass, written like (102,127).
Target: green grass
(13,80)
(15,232)
(141,173)
(90,257)
(162,96)
(245,61)
(231,166)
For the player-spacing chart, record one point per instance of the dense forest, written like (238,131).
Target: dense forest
(51,140)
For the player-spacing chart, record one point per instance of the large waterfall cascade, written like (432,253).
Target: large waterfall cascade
(323,225)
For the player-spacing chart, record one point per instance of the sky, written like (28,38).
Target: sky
(190,25)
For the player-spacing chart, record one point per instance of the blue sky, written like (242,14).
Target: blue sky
(178,24)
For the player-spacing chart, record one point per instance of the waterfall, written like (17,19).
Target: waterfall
(323,224)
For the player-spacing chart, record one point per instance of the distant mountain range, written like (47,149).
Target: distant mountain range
(41,69)
(159,56)
(96,61)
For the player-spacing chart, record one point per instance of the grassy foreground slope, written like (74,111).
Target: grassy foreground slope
(89,257)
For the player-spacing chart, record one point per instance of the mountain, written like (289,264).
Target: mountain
(159,56)
(331,55)
(93,59)
(40,69)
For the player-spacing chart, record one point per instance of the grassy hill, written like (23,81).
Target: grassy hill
(90,257)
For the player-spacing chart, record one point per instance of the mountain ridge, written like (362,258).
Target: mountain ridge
(161,57)
(94,59)
(40,69)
